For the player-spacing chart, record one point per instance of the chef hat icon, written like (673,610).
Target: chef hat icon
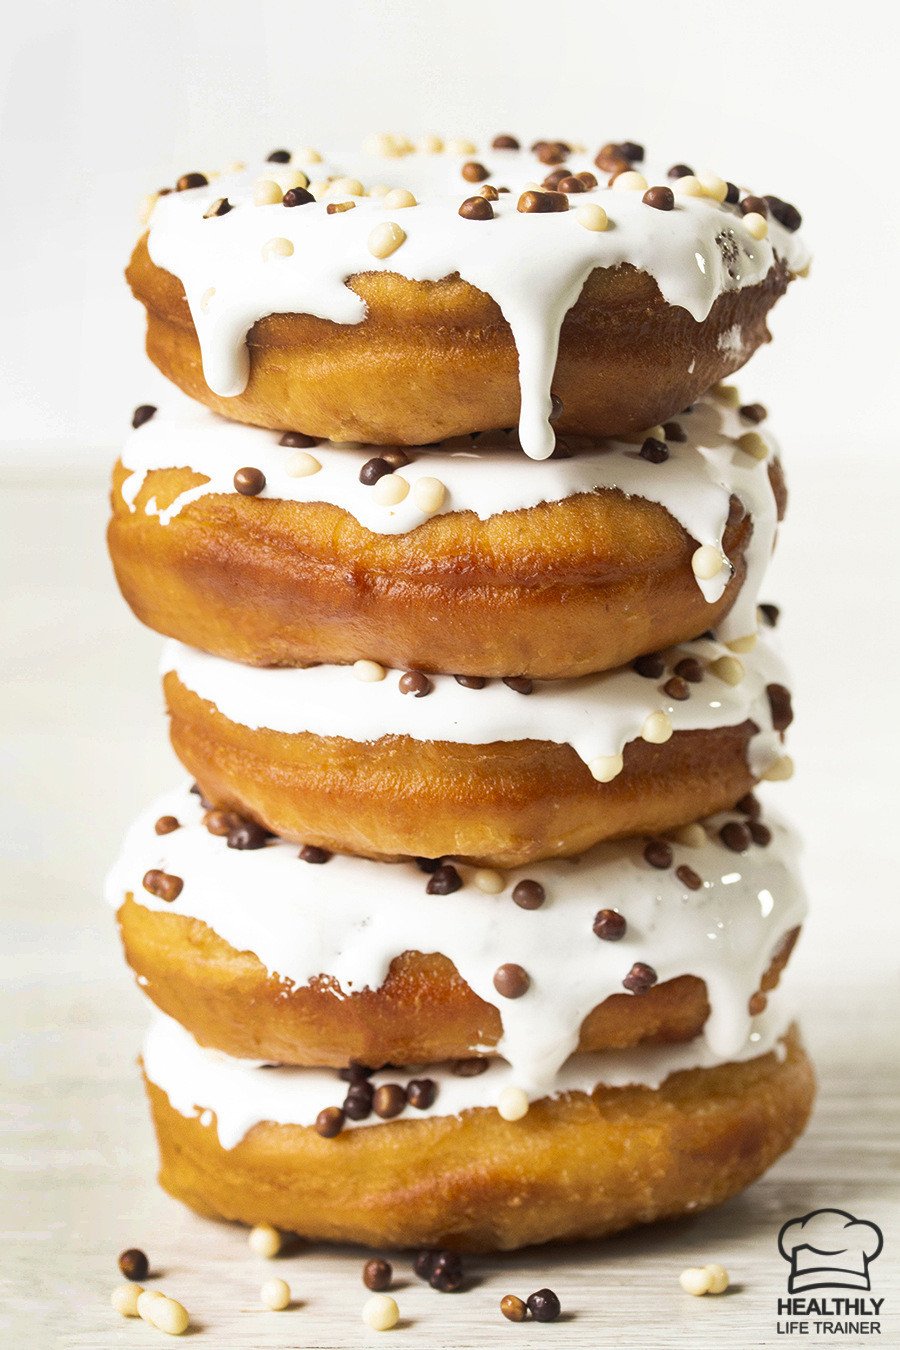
(829,1248)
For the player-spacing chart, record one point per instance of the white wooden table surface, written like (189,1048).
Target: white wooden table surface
(84,749)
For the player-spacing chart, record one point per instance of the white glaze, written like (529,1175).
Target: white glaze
(694,484)
(199,1082)
(348,918)
(533,265)
(596,714)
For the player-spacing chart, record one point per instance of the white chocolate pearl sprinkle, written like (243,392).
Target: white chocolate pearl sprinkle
(696,1281)
(690,836)
(753,444)
(380,1312)
(264,1240)
(728,394)
(290,178)
(713,186)
(277,248)
(385,239)
(458,146)
(630,181)
(429,145)
(512,1103)
(688,186)
(382,144)
(379,190)
(592,217)
(742,645)
(266,192)
(206,297)
(606,767)
(276,1294)
(145,1303)
(369,672)
(390,489)
(124,1298)
(318,189)
(146,205)
(707,562)
(301,465)
(780,771)
(756,224)
(428,494)
(728,668)
(167,1315)
(657,729)
(720,1277)
(346,187)
(489,881)
(307,156)
(397,199)
(404,145)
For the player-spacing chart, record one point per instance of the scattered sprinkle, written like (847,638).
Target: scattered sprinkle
(276,1295)
(780,771)
(266,192)
(640,979)
(757,225)
(609,925)
(477,208)
(142,414)
(380,1312)
(277,248)
(606,767)
(511,980)
(512,1104)
(630,181)
(397,199)
(416,683)
(165,825)
(713,186)
(753,444)
(660,198)
(544,1305)
(728,668)
(301,465)
(133,1263)
(513,1309)
(249,482)
(688,186)
(390,490)
(658,854)
(377,1275)
(444,880)
(369,672)
(528,894)
(385,239)
(690,836)
(124,1299)
(428,494)
(707,562)
(264,1240)
(657,729)
(489,881)
(696,1280)
(688,877)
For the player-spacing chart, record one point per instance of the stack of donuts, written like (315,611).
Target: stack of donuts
(466,926)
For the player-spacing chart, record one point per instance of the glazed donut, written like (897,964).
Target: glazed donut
(487,775)
(668,1131)
(263,956)
(549,570)
(405,326)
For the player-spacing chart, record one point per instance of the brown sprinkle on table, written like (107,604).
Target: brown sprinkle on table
(134,1265)
(528,894)
(511,981)
(142,415)
(677,688)
(421,1092)
(162,885)
(191,180)
(310,853)
(690,669)
(543,1305)
(609,925)
(377,1275)
(658,853)
(415,683)
(504,143)
(660,198)
(640,979)
(513,1309)
(298,440)
(446,1273)
(735,836)
(476,208)
(520,683)
(249,482)
(444,881)
(688,877)
(473,172)
(166,824)
(654,451)
(247,835)
(329,1122)
(372,470)
(389,1100)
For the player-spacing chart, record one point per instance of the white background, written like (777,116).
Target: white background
(102,101)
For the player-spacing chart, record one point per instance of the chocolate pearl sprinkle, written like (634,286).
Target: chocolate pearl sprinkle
(191,180)
(688,877)
(355,1072)
(753,412)
(504,143)
(571,184)
(476,208)
(166,824)
(372,470)
(511,981)
(421,1092)
(732,193)
(552,152)
(220,207)
(680,171)
(513,1309)
(609,925)
(553,180)
(749,806)
(780,705)
(221,823)
(358,1101)
(610,159)
(389,1100)
(298,440)
(589,179)
(660,198)
(640,979)
(544,1304)
(675,432)
(329,1122)
(163,885)
(396,457)
(784,213)
(142,415)
(415,683)
(279,157)
(654,451)
(446,1273)
(424,1263)
(469,1068)
(428,864)
(650,666)
(445,881)
(542,202)
(309,853)
(247,835)
(470,681)
(690,669)
(658,853)
(771,614)
(377,1275)
(473,172)
(489,192)
(297,196)
(631,150)
(520,683)
(677,688)
(249,482)
(528,894)
(735,836)
(759,833)
(754,205)
(134,1264)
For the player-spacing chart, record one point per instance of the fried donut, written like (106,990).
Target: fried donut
(262,955)
(407,326)
(658,1137)
(549,570)
(486,775)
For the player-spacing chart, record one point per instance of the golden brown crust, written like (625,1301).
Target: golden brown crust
(499,805)
(558,590)
(436,358)
(574,1168)
(424,1011)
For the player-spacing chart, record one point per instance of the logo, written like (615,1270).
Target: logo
(829,1249)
